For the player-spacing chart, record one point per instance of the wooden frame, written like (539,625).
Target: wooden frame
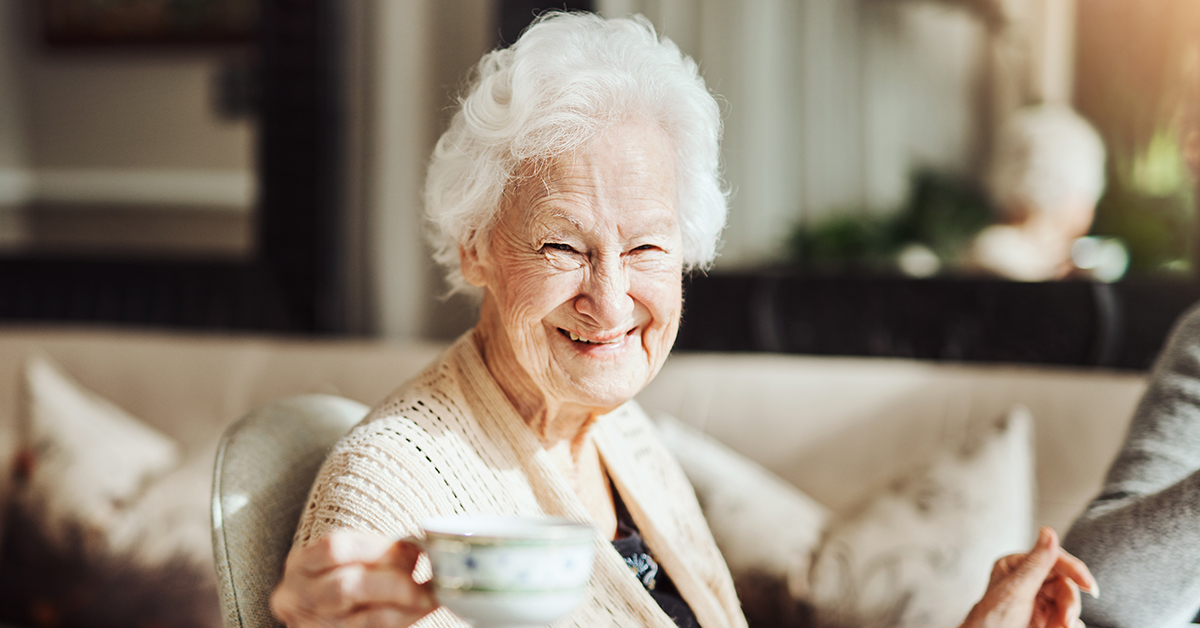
(147,22)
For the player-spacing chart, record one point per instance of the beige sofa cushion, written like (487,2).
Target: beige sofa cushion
(190,386)
(841,429)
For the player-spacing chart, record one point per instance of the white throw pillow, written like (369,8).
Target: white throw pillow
(107,527)
(172,519)
(920,554)
(84,460)
(764,526)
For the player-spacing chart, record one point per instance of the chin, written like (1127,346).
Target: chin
(604,390)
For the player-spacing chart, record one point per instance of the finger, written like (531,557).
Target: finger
(342,590)
(1004,566)
(1075,607)
(383,617)
(1067,602)
(1075,570)
(1042,612)
(403,556)
(283,607)
(342,547)
(1016,581)
(409,594)
(1027,577)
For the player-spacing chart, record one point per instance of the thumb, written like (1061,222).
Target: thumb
(1032,571)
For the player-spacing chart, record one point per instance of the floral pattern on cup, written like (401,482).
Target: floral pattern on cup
(511,569)
(509,554)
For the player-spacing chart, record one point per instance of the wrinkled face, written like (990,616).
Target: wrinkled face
(582,274)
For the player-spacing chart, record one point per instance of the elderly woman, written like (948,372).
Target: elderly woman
(577,184)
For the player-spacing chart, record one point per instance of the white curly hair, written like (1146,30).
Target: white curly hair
(568,78)
(1045,158)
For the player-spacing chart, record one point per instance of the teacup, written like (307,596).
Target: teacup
(509,572)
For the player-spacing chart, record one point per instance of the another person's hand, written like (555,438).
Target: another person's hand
(354,580)
(1035,590)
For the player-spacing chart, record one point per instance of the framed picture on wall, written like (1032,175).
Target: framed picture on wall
(147,22)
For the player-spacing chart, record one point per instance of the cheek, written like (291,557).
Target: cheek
(661,294)
(663,298)
(533,291)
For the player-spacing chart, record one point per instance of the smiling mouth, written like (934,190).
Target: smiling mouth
(574,337)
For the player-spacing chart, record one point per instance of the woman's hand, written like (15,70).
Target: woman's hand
(352,579)
(1035,590)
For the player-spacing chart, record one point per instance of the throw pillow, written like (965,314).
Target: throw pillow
(765,528)
(106,526)
(920,554)
(82,459)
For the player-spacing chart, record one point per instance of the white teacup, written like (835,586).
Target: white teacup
(509,572)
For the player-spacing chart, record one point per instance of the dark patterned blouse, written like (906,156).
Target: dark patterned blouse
(632,547)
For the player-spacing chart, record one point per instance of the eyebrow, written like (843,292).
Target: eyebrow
(555,213)
(549,210)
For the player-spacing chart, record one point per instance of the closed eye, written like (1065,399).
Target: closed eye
(645,247)
(558,246)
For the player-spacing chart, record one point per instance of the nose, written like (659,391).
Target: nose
(604,296)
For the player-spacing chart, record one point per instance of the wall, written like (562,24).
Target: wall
(408,60)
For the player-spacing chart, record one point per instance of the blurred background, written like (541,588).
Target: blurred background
(985,180)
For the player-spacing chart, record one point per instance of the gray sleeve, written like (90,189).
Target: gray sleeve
(1141,536)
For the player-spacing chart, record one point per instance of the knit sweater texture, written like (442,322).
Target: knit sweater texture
(1141,537)
(449,442)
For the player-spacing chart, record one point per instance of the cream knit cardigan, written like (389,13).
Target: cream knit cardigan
(449,443)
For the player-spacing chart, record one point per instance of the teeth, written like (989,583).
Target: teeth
(577,338)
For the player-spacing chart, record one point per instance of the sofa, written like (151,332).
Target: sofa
(838,429)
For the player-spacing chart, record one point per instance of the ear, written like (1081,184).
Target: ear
(472,265)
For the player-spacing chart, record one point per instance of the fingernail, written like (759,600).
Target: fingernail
(1043,537)
(1094,591)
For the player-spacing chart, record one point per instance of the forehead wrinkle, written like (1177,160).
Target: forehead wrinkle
(574,187)
(544,210)
(525,199)
(662,224)
(659,214)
